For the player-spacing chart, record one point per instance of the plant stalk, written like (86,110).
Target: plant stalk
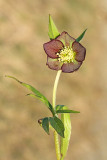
(55,87)
(57,147)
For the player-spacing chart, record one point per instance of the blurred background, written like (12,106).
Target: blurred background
(23,30)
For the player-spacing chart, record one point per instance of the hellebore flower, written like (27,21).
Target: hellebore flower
(64,53)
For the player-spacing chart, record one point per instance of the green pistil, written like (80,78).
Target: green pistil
(67,55)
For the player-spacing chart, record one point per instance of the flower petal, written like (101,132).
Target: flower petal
(80,51)
(70,67)
(52,47)
(53,63)
(65,38)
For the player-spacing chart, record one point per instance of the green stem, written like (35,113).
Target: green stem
(55,87)
(57,147)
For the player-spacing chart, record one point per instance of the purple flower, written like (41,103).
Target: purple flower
(64,53)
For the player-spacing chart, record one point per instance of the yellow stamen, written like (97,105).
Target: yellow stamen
(66,55)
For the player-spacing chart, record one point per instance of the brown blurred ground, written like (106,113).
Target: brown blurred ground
(23,30)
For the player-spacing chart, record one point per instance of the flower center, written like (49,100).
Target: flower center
(66,55)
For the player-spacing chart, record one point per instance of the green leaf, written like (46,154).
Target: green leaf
(81,36)
(45,101)
(53,31)
(45,124)
(36,94)
(67,111)
(57,124)
(65,141)
(60,109)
